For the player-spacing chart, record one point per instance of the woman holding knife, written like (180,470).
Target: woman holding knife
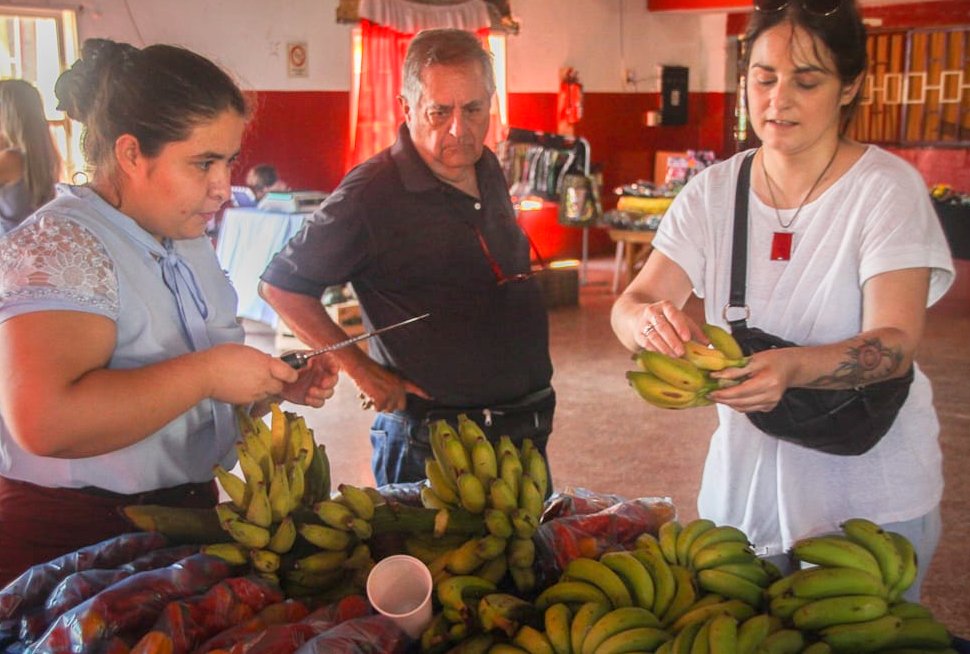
(121,354)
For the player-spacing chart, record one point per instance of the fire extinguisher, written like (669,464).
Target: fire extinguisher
(570,97)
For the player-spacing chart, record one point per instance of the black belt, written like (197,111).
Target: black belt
(170,495)
(536,403)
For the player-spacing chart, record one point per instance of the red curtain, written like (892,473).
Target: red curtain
(375,112)
(374,126)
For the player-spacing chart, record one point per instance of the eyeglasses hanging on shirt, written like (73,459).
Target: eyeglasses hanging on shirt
(500,277)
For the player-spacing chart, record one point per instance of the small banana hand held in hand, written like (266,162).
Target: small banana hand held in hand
(682,383)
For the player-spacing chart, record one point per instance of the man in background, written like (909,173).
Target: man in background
(427,226)
(262,179)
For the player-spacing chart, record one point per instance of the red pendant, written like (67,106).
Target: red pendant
(781,246)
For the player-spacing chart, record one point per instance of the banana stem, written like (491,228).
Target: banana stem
(396,518)
(180,525)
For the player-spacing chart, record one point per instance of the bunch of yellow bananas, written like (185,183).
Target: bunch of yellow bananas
(682,383)
(281,515)
(505,486)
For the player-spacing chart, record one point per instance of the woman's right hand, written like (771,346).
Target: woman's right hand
(648,314)
(663,327)
(239,374)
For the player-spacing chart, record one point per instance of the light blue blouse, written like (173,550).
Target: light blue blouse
(78,253)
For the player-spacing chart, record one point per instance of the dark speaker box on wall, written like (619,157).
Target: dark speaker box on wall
(673,95)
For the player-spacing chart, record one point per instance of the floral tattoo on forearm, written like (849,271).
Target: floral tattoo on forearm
(869,362)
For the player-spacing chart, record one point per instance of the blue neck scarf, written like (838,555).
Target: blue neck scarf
(192,310)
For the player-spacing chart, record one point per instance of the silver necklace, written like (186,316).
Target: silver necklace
(769,182)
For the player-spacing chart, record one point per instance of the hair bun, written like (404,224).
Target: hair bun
(76,87)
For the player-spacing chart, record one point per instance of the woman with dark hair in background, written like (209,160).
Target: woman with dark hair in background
(121,351)
(29,162)
(844,254)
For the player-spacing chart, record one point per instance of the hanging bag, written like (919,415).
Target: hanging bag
(579,201)
(844,422)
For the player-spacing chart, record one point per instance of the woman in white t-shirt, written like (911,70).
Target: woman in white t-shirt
(844,255)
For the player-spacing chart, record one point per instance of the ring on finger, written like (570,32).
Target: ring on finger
(646,331)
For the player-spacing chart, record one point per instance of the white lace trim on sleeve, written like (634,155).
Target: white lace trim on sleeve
(57,261)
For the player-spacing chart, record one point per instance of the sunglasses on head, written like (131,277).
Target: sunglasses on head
(815,7)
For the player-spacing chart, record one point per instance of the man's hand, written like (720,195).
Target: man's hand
(316,382)
(384,390)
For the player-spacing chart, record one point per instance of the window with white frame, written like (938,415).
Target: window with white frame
(36,45)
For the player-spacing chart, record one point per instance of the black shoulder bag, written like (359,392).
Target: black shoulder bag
(845,422)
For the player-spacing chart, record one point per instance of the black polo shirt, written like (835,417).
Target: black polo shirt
(406,241)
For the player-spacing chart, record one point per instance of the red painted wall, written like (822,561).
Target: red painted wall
(622,147)
(303,133)
(940,165)
(923,14)
(620,141)
(535,111)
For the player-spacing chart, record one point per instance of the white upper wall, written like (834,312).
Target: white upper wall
(600,38)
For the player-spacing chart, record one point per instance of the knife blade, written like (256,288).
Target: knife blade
(297,359)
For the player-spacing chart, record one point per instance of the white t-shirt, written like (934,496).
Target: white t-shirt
(876,218)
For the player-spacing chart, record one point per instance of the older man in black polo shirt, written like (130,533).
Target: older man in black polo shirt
(427,226)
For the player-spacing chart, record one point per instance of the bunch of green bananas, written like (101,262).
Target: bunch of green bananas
(594,628)
(698,587)
(503,485)
(281,516)
(719,557)
(682,383)
(719,632)
(850,599)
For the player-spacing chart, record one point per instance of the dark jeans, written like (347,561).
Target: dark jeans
(401,445)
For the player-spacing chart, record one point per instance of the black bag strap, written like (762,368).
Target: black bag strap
(739,247)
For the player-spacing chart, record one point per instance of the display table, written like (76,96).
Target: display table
(632,248)
(248,239)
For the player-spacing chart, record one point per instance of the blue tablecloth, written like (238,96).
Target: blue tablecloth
(248,239)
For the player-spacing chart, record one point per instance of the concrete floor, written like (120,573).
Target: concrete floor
(608,440)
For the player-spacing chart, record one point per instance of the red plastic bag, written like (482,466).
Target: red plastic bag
(79,586)
(280,613)
(348,608)
(191,621)
(32,587)
(561,540)
(131,606)
(577,501)
(287,638)
(74,589)
(373,634)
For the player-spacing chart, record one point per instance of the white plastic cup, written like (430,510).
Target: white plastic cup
(399,587)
